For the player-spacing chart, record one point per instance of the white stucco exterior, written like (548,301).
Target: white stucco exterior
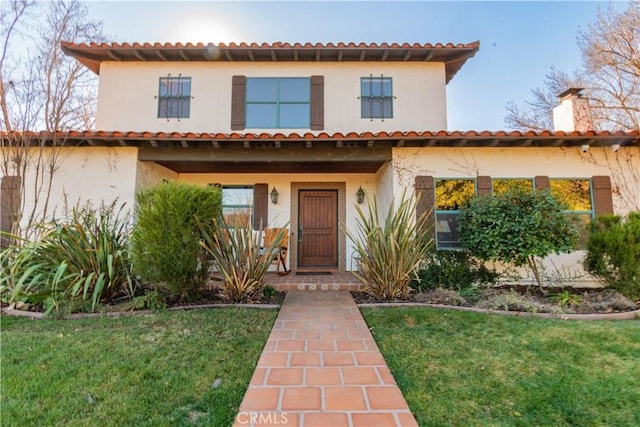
(128,95)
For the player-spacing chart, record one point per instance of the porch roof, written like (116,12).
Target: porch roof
(453,55)
(308,152)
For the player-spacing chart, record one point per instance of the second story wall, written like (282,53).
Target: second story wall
(128,95)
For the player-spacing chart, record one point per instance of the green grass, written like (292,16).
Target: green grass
(470,369)
(155,370)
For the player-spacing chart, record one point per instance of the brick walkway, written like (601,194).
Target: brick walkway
(321,367)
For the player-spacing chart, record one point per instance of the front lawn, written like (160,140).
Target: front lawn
(156,370)
(463,369)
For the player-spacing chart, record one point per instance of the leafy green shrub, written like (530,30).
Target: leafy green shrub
(389,254)
(240,258)
(516,227)
(455,270)
(78,260)
(613,253)
(165,241)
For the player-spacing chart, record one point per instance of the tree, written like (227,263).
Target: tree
(610,74)
(516,228)
(40,89)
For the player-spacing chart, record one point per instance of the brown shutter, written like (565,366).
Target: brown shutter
(602,195)
(238,100)
(9,206)
(260,206)
(484,185)
(542,183)
(317,102)
(425,191)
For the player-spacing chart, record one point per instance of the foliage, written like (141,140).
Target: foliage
(239,256)
(613,253)
(452,194)
(165,240)
(462,369)
(456,270)
(153,370)
(516,227)
(389,253)
(566,299)
(81,258)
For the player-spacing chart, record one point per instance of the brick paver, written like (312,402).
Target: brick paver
(321,367)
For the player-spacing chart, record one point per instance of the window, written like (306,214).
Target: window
(504,185)
(376,98)
(576,195)
(278,103)
(451,196)
(174,97)
(237,205)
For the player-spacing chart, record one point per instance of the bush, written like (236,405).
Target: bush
(613,253)
(455,270)
(239,256)
(516,227)
(166,235)
(389,254)
(77,262)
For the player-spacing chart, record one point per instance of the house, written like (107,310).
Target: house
(300,133)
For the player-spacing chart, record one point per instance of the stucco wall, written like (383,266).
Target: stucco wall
(84,174)
(150,174)
(528,163)
(128,90)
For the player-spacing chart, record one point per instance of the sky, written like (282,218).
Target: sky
(519,41)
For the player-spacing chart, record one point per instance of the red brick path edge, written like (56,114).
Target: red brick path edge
(321,367)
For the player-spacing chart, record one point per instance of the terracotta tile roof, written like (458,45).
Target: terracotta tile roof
(398,138)
(453,55)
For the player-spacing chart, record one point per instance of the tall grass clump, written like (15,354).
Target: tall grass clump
(77,263)
(389,253)
(165,240)
(240,258)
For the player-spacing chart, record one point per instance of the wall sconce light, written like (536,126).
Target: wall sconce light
(615,147)
(360,195)
(274,196)
(585,148)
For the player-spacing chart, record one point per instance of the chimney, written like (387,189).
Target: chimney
(573,112)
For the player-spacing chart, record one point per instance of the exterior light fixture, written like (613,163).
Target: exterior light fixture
(360,195)
(615,147)
(274,196)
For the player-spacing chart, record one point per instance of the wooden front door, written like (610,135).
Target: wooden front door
(318,228)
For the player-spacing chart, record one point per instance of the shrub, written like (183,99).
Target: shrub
(389,254)
(516,227)
(166,235)
(613,253)
(239,256)
(77,262)
(455,270)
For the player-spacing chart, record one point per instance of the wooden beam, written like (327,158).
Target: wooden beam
(407,56)
(370,143)
(400,143)
(338,144)
(340,53)
(277,144)
(227,54)
(246,144)
(161,55)
(385,55)
(318,55)
(183,55)
(295,55)
(91,142)
(138,55)
(429,143)
(309,144)
(250,54)
(185,144)
(113,55)
(273,55)
(429,55)
(363,55)
(153,143)
(123,143)
(493,143)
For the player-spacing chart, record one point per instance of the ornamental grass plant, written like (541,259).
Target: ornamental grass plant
(390,252)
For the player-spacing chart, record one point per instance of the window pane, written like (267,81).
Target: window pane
(502,186)
(375,86)
(237,196)
(376,108)
(452,194)
(447,230)
(581,221)
(236,215)
(575,194)
(183,107)
(261,115)
(175,86)
(294,116)
(294,90)
(262,90)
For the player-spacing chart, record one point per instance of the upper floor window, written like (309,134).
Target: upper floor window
(174,97)
(451,196)
(376,98)
(278,103)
